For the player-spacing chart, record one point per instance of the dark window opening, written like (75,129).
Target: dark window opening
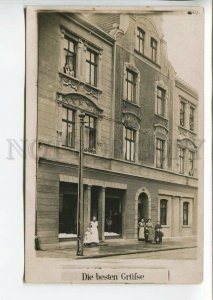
(90,134)
(91,67)
(69,57)
(68,127)
(163,212)
(130,139)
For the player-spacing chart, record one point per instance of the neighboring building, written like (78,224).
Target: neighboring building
(140,128)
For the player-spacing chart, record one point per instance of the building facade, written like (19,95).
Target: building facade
(140,135)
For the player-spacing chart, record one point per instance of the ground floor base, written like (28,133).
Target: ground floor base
(118,202)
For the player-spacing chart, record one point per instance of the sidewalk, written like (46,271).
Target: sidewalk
(118,247)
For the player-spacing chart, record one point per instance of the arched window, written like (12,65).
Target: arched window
(163,211)
(185,213)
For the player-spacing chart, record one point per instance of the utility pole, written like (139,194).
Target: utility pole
(80,204)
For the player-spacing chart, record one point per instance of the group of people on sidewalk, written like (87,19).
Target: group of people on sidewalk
(146,231)
(149,233)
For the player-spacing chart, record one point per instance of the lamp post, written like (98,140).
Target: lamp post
(80,204)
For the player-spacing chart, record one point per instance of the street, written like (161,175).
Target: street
(189,253)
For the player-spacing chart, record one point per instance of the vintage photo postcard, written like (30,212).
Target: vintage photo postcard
(114,145)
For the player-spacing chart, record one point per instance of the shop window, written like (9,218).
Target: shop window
(129,139)
(131,85)
(91,67)
(68,127)
(160,153)
(185,213)
(191,118)
(90,134)
(161,100)
(182,113)
(181,160)
(140,41)
(68,215)
(154,45)
(69,56)
(163,211)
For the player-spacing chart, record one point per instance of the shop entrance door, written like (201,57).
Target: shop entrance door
(113,217)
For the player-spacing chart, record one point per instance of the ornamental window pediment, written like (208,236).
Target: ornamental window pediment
(130,120)
(81,102)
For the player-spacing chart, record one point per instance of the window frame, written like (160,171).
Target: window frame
(92,132)
(74,54)
(182,113)
(164,212)
(191,118)
(67,121)
(130,141)
(181,160)
(191,162)
(161,150)
(185,213)
(140,37)
(133,84)
(90,63)
(161,100)
(154,48)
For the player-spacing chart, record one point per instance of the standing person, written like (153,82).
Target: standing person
(157,226)
(87,237)
(150,230)
(141,233)
(94,239)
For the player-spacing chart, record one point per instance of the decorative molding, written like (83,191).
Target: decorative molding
(80,101)
(131,120)
(161,130)
(80,86)
(188,134)
(187,143)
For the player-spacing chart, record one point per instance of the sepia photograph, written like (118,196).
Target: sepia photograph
(114,145)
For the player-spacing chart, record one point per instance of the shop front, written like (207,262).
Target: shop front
(104,203)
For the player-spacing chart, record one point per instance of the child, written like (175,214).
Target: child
(87,237)
(146,233)
(158,236)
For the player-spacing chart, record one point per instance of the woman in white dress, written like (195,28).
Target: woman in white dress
(141,226)
(94,239)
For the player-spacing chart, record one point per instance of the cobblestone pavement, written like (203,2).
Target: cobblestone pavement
(120,248)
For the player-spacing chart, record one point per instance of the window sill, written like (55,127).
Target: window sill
(186,226)
(132,103)
(186,129)
(162,117)
(147,58)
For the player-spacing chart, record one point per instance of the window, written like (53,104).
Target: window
(181,160)
(130,136)
(191,163)
(161,95)
(160,145)
(68,127)
(91,67)
(90,134)
(185,213)
(131,86)
(191,118)
(154,44)
(163,212)
(69,57)
(140,40)
(182,114)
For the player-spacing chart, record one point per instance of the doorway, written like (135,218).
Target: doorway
(143,207)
